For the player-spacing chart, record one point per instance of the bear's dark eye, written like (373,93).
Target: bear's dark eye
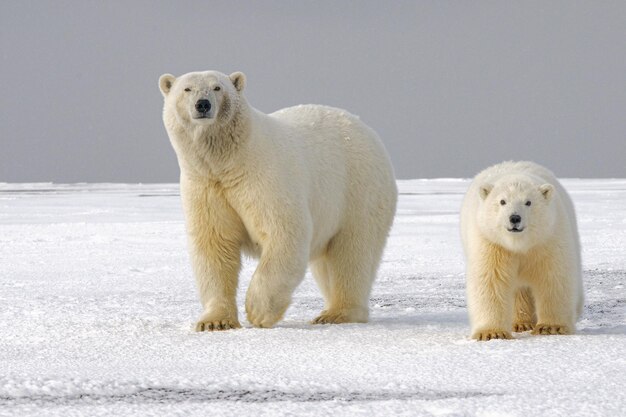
(217,88)
(502,202)
(187,89)
(528,203)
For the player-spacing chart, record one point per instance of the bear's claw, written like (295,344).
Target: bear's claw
(215,325)
(210,326)
(551,329)
(523,327)
(485,335)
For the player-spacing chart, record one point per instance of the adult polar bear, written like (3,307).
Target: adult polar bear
(523,254)
(306,184)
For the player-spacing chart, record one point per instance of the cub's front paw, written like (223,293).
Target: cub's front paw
(547,329)
(523,326)
(211,322)
(489,334)
(265,310)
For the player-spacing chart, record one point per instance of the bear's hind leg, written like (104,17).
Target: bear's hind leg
(345,276)
(525,317)
(321,273)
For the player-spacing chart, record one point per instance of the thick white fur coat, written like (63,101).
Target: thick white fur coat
(307,185)
(525,275)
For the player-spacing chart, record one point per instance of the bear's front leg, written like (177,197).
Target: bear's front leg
(490,298)
(555,305)
(550,275)
(215,234)
(216,278)
(280,270)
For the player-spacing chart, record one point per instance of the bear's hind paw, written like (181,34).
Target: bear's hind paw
(341,316)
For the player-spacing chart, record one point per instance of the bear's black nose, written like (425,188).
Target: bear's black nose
(515,219)
(203,106)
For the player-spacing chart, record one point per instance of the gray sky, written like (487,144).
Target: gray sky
(451,87)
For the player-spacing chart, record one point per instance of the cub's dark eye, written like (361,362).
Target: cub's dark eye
(187,89)
(502,202)
(528,203)
(217,88)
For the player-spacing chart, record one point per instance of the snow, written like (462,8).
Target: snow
(97,303)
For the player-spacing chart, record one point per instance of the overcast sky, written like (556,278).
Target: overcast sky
(451,87)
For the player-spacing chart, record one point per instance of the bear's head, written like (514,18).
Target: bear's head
(516,213)
(202,99)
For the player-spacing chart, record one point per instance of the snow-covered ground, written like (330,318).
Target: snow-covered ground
(97,303)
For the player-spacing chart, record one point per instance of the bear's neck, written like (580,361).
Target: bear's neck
(213,151)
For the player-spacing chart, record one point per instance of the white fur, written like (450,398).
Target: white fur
(304,185)
(526,280)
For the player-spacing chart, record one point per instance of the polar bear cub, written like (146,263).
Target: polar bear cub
(522,250)
(304,185)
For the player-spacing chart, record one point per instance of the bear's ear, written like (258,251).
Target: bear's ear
(547,190)
(165,83)
(484,190)
(238,79)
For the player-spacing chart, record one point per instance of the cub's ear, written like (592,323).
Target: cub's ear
(165,83)
(238,79)
(547,190)
(484,190)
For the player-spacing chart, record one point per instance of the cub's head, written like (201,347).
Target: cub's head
(515,213)
(201,98)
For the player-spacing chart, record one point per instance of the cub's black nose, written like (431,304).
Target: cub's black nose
(515,219)
(203,106)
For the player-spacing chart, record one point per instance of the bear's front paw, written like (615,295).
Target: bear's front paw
(489,334)
(263,310)
(523,326)
(211,322)
(547,329)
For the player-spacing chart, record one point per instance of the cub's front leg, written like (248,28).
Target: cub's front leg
(490,295)
(525,317)
(215,233)
(556,309)
(553,280)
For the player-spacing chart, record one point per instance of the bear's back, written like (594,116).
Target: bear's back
(332,136)
(528,169)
